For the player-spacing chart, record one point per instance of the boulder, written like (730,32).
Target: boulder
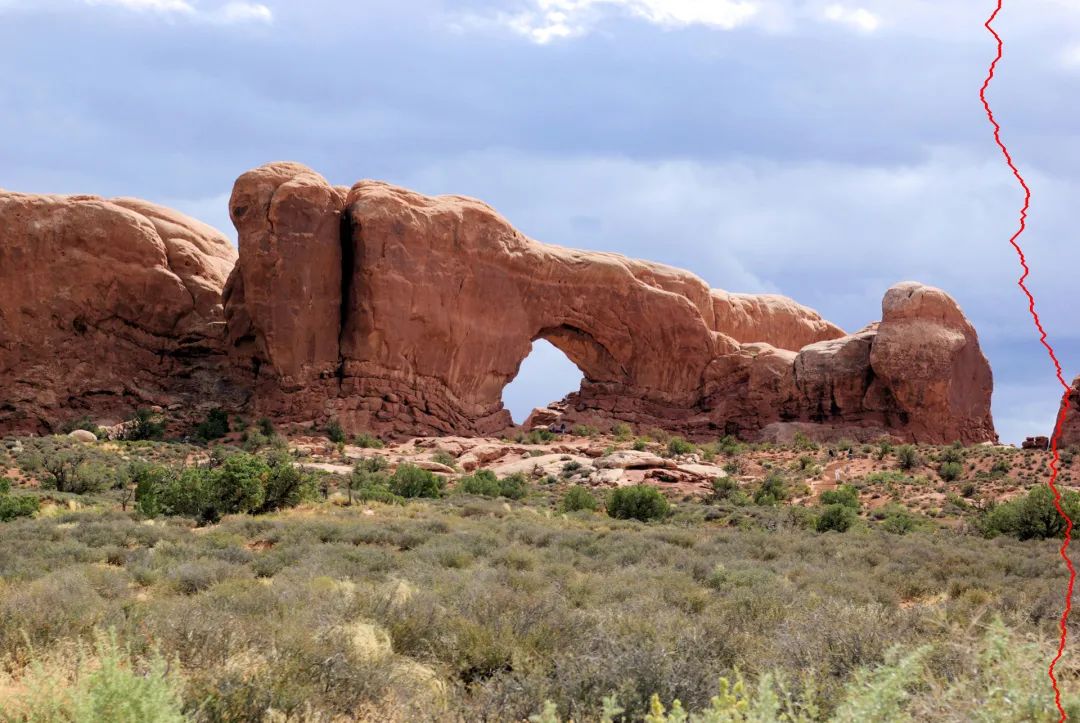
(82,435)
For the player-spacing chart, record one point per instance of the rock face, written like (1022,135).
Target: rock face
(398,312)
(1070,425)
(104,306)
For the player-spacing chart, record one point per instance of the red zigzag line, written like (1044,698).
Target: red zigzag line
(1064,551)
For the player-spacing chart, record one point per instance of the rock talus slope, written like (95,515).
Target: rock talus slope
(398,312)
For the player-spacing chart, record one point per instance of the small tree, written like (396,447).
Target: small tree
(678,445)
(146,426)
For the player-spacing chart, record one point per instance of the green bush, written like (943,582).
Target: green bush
(67,466)
(640,444)
(370,482)
(678,445)
(409,481)
(908,457)
(241,483)
(441,456)
(334,432)
(1033,517)
(845,495)
(1000,468)
(215,426)
(639,502)
(535,436)
(899,522)
(584,430)
(485,483)
(772,491)
(622,431)
(13,506)
(950,471)
(725,489)
(578,498)
(804,443)
(106,684)
(146,426)
(286,486)
(835,518)
(367,441)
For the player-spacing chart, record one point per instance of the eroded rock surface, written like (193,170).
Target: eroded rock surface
(419,311)
(106,305)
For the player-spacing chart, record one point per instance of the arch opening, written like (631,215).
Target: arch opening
(545,376)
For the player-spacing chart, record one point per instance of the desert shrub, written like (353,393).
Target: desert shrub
(240,483)
(215,426)
(725,489)
(884,449)
(908,457)
(265,427)
(485,483)
(1000,467)
(370,482)
(1033,517)
(805,463)
(105,683)
(899,522)
(952,453)
(410,481)
(578,498)
(570,468)
(640,444)
(146,426)
(67,466)
(639,502)
(772,490)
(368,441)
(835,518)
(678,445)
(14,506)
(441,456)
(286,486)
(950,471)
(622,431)
(803,443)
(534,436)
(968,489)
(584,430)
(845,495)
(334,432)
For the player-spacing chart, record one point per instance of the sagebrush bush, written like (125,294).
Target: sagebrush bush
(950,471)
(772,490)
(638,502)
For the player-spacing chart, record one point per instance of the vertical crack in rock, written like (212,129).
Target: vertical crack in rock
(348,271)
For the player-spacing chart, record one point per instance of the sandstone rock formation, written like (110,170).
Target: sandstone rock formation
(413,313)
(1070,425)
(399,313)
(106,305)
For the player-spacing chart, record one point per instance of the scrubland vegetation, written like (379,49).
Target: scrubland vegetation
(160,581)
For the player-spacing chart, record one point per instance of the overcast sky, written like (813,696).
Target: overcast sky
(820,149)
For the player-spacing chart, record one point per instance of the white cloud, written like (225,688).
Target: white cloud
(550,20)
(860,19)
(227,14)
